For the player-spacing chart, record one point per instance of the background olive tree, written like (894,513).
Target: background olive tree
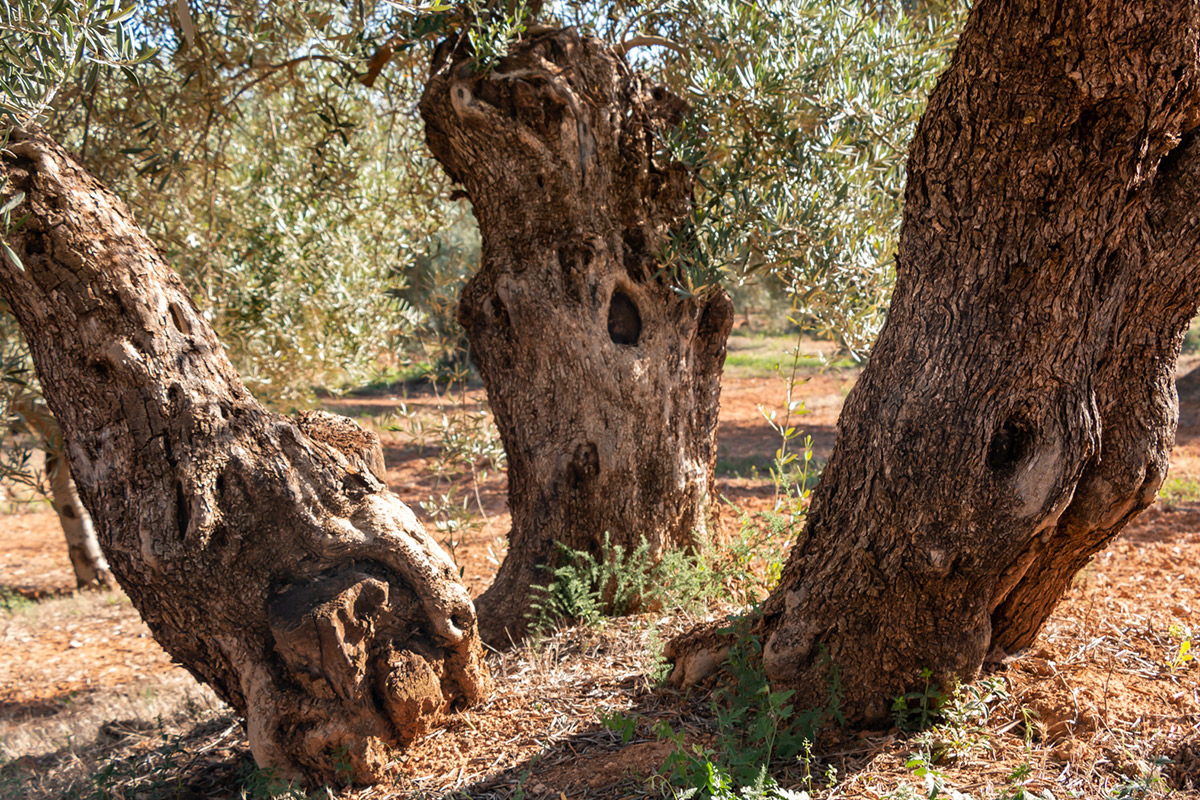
(275,157)
(273,154)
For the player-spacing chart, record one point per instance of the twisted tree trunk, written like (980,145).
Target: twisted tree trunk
(604,382)
(265,554)
(1019,407)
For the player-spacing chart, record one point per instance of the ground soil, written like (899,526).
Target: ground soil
(1104,700)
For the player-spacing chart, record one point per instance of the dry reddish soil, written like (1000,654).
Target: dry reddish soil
(1101,702)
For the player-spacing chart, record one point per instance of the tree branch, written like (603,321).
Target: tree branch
(624,47)
(290,64)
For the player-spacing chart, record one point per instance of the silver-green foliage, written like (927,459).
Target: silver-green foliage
(291,250)
(801,115)
(17,441)
(288,195)
(44,44)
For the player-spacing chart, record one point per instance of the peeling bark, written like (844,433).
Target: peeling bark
(604,382)
(1019,407)
(265,553)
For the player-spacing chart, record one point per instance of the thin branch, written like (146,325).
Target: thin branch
(271,69)
(380,60)
(652,41)
(87,121)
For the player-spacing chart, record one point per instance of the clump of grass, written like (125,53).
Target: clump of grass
(11,602)
(752,726)
(586,588)
(1179,490)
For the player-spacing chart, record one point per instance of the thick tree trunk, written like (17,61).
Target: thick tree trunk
(1019,407)
(83,548)
(604,382)
(265,553)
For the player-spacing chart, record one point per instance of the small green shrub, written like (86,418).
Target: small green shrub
(919,709)
(755,726)
(1179,490)
(585,588)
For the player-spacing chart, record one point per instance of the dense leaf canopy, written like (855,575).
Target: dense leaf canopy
(274,154)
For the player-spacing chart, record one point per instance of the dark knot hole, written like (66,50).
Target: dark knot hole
(183,513)
(624,321)
(1010,445)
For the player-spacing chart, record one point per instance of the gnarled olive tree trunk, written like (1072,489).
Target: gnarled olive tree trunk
(265,553)
(1019,407)
(604,382)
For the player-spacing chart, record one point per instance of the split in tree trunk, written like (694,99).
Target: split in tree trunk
(265,553)
(604,382)
(1019,407)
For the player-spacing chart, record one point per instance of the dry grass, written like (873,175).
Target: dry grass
(1101,707)
(1095,711)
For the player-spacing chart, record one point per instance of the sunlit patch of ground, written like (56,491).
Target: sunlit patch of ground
(1104,705)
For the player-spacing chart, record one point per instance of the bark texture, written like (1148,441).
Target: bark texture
(265,553)
(1019,407)
(604,382)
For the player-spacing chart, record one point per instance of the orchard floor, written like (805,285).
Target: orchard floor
(1101,706)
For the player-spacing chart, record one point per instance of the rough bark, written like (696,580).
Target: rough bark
(604,382)
(83,548)
(1019,407)
(265,553)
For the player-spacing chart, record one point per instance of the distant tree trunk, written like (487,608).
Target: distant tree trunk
(265,554)
(1019,406)
(604,382)
(87,560)
(91,568)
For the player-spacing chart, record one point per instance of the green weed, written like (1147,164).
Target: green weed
(963,721)
(1147,780)
(11,602)
(933,780)
(266,784)
(919,709)
(716,784)
(585,588)
(1183,654)
(755,726)
(153,774)
(1179,490)
(624,726)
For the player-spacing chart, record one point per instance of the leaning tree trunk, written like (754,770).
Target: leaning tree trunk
(1019,407)
(83,548)
(265,554)
(604,382)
